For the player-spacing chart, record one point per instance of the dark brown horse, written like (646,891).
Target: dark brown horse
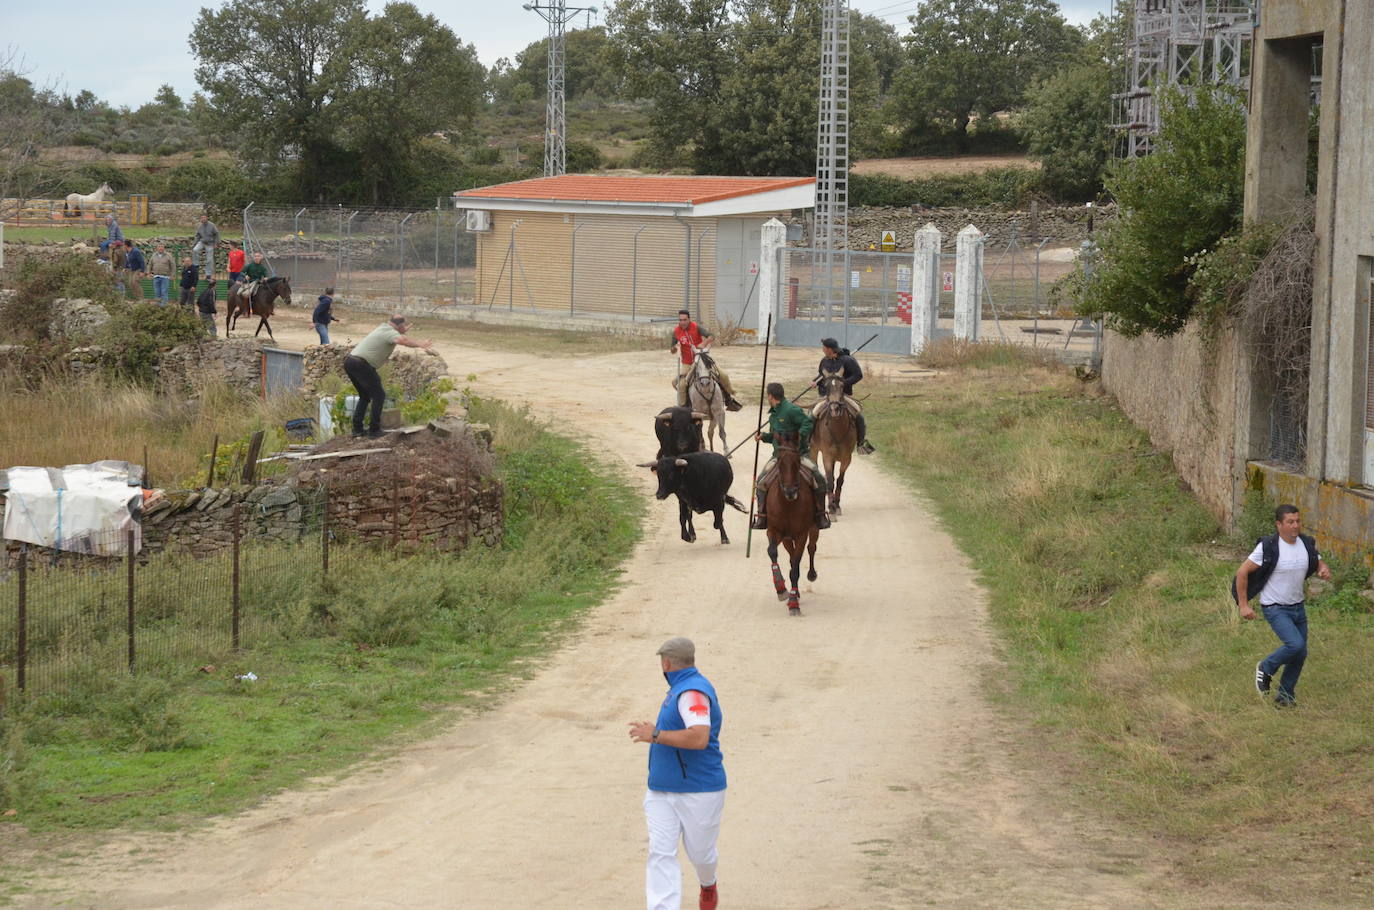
(836,436)
(263,304)
(791,520)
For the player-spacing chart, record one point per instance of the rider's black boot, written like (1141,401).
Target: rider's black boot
(865,447)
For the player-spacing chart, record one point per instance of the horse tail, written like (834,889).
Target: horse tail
(732,501)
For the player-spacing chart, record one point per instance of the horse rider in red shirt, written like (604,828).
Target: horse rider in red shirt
(689,339)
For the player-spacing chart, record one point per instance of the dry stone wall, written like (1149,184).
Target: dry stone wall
(1063,225)
(409,369)
(188,367)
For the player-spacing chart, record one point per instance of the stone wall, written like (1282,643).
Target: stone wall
(1062,224)
(410,369)
(188,367)
(1183,392)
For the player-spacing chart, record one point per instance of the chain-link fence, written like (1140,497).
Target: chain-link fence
(423,256)
(65,616)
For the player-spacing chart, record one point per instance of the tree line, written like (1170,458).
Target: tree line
(319,100)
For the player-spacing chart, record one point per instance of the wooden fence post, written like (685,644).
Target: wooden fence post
(324,531)
(214,453)
(234,582)
(129,561)
(395,510)
(23,644)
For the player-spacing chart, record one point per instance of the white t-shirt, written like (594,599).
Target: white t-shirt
(695,709)
(1285,586)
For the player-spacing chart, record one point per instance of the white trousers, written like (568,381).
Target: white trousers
(693,817)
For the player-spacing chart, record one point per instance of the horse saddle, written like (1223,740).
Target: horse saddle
(849,403)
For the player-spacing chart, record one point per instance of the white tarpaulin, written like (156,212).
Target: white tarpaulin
(84,508)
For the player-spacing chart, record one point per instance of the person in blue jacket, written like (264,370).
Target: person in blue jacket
(324,315)
(686,792)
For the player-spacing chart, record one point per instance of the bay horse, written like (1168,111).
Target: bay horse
(791,511)
(263,304)
(72,208)
(706,396)
(836,436)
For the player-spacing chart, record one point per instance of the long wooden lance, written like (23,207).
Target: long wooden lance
(753,475)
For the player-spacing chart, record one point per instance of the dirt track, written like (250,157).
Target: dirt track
(866,769)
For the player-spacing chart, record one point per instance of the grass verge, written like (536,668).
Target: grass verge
(379,649)
(1108,582)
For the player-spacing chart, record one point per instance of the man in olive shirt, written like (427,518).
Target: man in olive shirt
(361,367)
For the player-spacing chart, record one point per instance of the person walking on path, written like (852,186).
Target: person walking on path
(689,340)
(324,315)
(785,417)
(236,257)
(205,304)
(1275,572)
(162,267)
(190,277)
(134,267)
(362,364)
(207,238)
(686,792)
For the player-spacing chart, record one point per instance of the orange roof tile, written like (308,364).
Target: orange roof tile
(642,189)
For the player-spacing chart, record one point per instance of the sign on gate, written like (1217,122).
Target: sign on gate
(889,242)
(948,281)
(855,279)
(903,278)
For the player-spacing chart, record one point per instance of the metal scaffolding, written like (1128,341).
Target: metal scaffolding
(1179,42)
(557,13)
(831,233)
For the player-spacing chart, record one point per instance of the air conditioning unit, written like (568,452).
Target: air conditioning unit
(479,221)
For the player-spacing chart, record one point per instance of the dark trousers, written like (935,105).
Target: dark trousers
(368,382)
(188,296)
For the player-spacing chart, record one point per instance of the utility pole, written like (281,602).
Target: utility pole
(831,240)
(558,14)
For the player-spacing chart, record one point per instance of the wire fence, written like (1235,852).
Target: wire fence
(423,256)
(65,616)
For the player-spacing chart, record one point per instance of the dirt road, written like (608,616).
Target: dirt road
(866,769)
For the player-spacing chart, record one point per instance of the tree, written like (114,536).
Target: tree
(1066,128)
(274,70)
(978,57)
(28,122)
(1174,203)
(588,65)
(167,98)
(411,77)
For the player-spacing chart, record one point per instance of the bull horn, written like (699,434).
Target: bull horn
(680,462)
(697,415)
(666,412)
(647,464)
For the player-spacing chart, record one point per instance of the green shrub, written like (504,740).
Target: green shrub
(138,714)
(1005,188)
(24,317)
(1221,274)
(584,157)
(138,332)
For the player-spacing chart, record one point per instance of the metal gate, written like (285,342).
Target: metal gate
(862,294)
(281,371)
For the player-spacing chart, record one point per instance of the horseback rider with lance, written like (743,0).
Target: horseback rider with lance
(784,417)
(689,340)
(836,359)
(255,273)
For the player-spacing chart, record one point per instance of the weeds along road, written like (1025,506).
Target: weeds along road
(866,769)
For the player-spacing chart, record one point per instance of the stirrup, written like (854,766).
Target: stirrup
(822,520)
(760,522)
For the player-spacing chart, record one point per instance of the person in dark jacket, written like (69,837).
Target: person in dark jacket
(190,277)
(1278,566)
(205,304)
(324,315)
(835,359)
(134,267)
(686,794)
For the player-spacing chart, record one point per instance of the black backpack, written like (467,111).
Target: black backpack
(1269,560)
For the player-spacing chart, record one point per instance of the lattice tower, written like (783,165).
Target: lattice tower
(831,233)
(557,13)
(1179,42)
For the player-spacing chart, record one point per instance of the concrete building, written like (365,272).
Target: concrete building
(1214,403)
(638,247)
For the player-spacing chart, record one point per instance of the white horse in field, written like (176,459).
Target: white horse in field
(76,201)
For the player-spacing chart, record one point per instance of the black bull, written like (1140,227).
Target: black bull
(701,482)
(679,431)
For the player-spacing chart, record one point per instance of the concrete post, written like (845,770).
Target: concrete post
(968,283)
(772,240)
(925,287)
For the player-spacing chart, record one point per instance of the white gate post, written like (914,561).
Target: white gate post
(925,287)
(772,239)
(968,283)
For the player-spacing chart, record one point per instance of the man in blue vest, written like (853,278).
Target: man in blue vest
(1275,572)
(686,780)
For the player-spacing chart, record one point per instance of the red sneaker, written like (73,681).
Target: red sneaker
(709,898)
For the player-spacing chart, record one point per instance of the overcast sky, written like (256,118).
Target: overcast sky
(134,48)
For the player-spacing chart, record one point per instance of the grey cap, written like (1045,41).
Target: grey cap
(679,650)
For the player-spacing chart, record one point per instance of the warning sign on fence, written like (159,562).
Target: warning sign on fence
(889,242)
(948,281)
(903,278)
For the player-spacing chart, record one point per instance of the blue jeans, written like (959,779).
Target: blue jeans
(1289,622)
(161,285)
(323,331)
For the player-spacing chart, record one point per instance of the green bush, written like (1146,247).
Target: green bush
(138,332)
(212,182)
(1006,188)
(24,316)
(584,157)
(1221,274)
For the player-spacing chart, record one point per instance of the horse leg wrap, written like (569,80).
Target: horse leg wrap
(793,600)
(778,584)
